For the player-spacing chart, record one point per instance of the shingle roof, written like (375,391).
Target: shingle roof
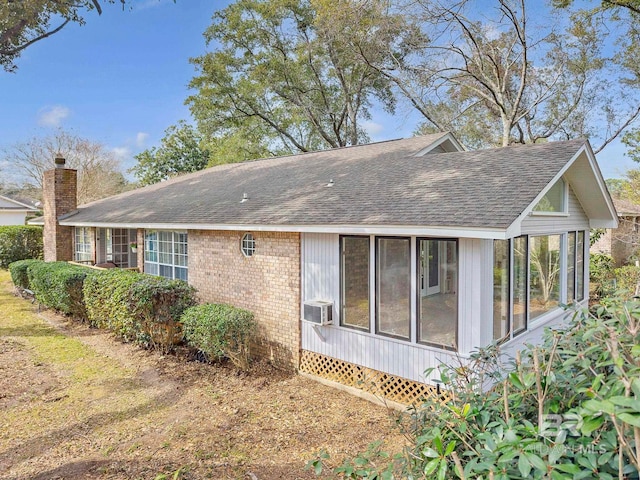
(626,208)
(376,184)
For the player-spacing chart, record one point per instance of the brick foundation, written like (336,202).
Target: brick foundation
(267,283)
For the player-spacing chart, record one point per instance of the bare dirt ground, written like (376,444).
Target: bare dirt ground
(77,404)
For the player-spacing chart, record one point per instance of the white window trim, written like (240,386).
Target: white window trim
(157,263)
(79,254)
(565,203)
(249,244)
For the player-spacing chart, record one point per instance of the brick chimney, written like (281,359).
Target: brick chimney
(59,191)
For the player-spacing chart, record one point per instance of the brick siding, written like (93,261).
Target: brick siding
(59,195)
(267,283)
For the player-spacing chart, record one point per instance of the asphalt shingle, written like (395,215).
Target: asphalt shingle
(376,184)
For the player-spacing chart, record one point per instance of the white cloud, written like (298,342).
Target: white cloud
(141,139)
(53,116)
(122,153)
(372,128)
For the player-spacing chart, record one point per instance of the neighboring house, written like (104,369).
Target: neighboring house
(422,251)
(14,211)
(622,243)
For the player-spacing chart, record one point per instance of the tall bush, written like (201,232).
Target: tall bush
(219,330)
(19,242)
(568,409)
(106,296)
(58,285)
(18,271)
(138,307)
(601,276)
(627,278)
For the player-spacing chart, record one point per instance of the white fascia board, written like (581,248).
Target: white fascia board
(395,230)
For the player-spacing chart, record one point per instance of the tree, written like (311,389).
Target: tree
(182,150)
(286,72)
(496,78)
(99,173)
(25,22)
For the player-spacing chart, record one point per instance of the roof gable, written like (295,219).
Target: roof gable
(7,203)
(582,173)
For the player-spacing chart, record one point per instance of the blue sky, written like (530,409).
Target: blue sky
(122,79)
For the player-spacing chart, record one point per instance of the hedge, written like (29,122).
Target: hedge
(19,242)
(138,307)
(58,285)
(18,271)
(219,330)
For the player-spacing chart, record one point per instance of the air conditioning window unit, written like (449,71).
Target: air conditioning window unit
(319,312)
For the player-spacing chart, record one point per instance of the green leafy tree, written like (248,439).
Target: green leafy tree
(25,22)
(497,77)
(285,73)
(182,150)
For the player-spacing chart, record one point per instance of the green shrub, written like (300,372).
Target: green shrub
(601,276)
(627,278)
(157,304)
(19,242)
(58,285)
(219,330)
(138,307)
(19,274)
(106,296)
(567,409)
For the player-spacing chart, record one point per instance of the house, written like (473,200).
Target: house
(623,243)
(14,211)
(419,251)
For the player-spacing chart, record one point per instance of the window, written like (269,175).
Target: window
(165,254)
(580,247)
(117,246)
(520,275)
(248,245)
(393,287)
(571,267)
(83,245)
(501,281)
(438,292)
(554,200)
(544,274)
(354,265)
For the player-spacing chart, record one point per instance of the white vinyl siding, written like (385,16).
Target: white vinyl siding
(406,358)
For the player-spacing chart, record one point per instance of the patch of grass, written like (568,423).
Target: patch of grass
(83,374)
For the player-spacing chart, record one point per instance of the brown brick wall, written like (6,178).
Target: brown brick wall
(267,283)
(59,195)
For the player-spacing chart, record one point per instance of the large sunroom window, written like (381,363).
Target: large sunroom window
(355,282)
(544,275)
(501,276)
(414,283)
(545,271)
(393,286)
(82,245)
(438,292)
(165,254)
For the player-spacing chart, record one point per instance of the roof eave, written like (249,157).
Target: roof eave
(396,230)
